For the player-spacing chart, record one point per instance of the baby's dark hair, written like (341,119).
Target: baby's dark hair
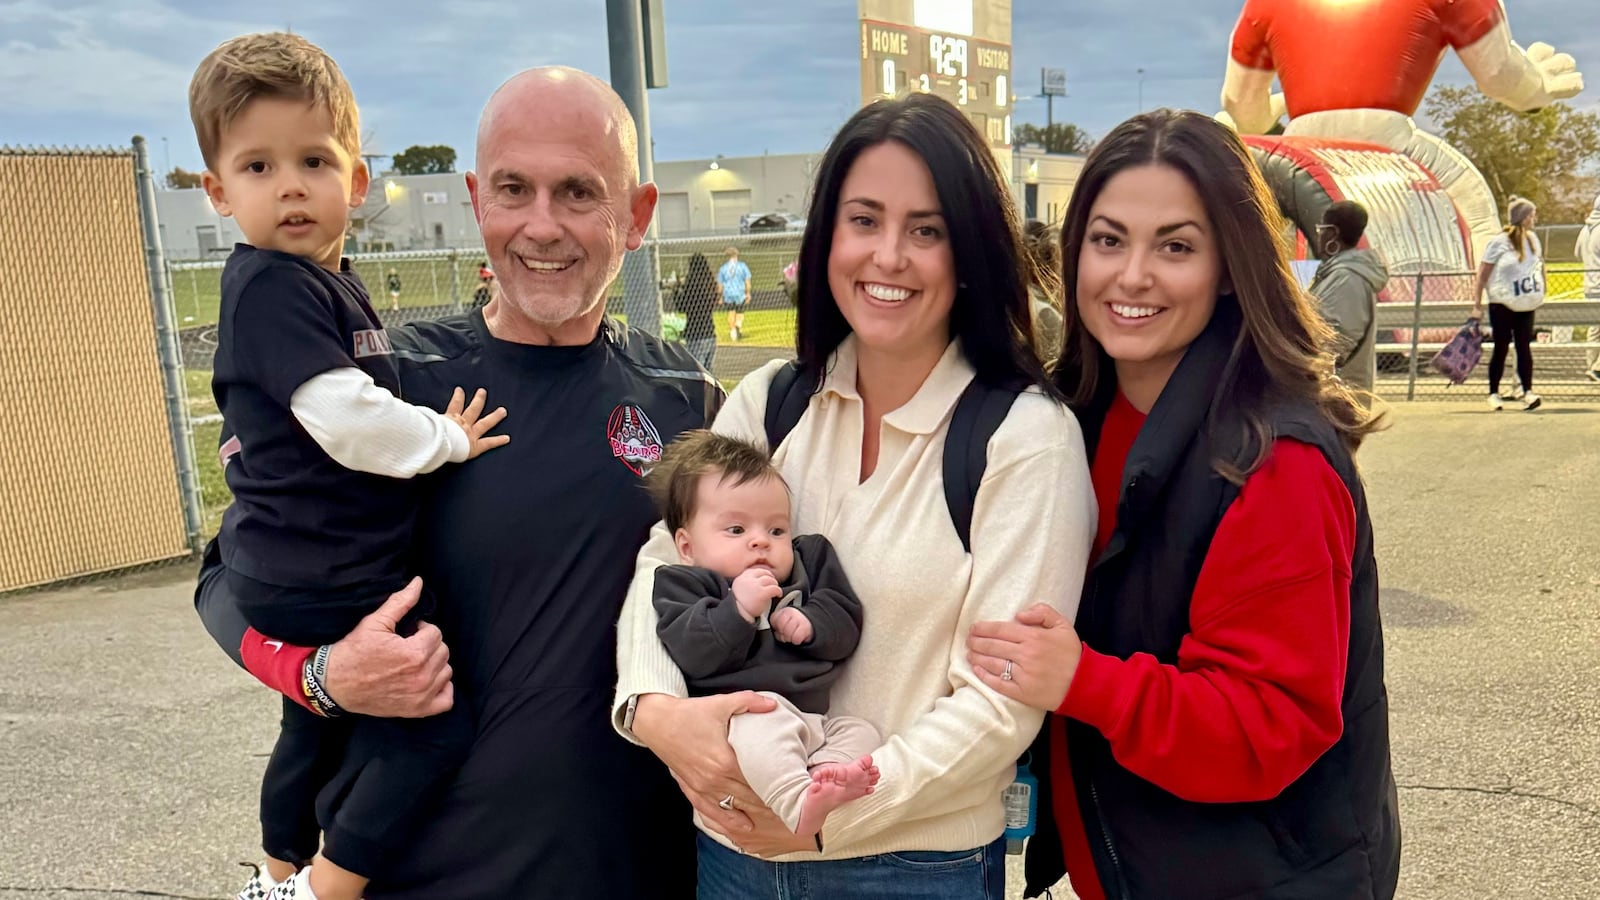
(676,480)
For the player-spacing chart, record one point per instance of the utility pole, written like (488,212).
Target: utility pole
(641,288)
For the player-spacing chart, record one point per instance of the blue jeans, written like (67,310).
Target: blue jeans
(977,874)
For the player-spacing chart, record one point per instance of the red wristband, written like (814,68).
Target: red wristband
(275,664)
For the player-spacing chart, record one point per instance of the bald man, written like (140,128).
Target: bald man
(528,552)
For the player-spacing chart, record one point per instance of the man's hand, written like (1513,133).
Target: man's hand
(475,423)
(755,590)
(791,626)
(768,836)
(375,672)
(690,735)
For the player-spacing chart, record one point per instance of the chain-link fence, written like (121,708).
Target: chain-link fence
(1424,311)
(1560,242)
(438,283)
(90,469)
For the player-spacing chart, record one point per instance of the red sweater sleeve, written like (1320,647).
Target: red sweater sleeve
(1254,698)
(276,664)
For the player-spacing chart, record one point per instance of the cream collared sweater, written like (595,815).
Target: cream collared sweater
(951,742)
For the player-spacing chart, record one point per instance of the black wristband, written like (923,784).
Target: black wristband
(311,678)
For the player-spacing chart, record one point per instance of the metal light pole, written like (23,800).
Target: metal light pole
(1141,89)
(167,344)
(641,293)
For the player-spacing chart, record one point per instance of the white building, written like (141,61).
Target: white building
(698,197)
(1042,183)
(707,196)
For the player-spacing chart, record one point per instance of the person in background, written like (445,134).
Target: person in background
(696,297)
(1588,252)
(734,276)
(482,294)
(1512,275)
(393,283)
(1346,286)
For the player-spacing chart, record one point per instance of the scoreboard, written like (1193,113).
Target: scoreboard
(971,72)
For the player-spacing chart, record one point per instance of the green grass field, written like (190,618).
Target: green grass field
(762,328)
(214,494)
(441,281)
(197,293)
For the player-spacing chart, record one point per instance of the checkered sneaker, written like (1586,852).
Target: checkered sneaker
(296,888)
(260,885)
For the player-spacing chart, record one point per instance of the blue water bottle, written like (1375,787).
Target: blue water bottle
(1021,799)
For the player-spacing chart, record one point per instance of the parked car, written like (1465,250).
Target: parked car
(767,223)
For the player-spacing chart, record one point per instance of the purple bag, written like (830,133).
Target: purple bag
(1457,359)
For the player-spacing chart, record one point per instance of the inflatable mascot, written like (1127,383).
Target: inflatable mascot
(1356,70)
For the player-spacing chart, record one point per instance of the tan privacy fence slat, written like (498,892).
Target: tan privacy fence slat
(87,478)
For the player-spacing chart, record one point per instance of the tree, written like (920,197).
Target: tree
(420,160)
(1550,156)
(1057,137)
(180,178)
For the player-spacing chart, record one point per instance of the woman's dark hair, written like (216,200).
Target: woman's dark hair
(1280,351)
(990,313)
(698,292)
(699,270)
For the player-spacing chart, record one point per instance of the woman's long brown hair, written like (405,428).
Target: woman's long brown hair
(1282,351)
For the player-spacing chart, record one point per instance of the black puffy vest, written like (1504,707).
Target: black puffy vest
(1334,832)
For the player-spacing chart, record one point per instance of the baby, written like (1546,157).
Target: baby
(754,608)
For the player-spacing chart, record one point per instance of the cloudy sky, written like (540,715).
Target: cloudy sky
(747,76)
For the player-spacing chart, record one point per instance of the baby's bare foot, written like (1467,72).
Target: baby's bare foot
(832,786)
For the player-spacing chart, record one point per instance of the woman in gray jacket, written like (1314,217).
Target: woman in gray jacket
(1346,287)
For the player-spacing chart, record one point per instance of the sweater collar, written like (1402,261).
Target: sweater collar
(929,407)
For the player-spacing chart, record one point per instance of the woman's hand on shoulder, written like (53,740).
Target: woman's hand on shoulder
(1040,649)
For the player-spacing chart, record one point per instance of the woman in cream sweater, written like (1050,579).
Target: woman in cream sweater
(912,286)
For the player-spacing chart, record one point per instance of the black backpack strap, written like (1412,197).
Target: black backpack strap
(787,398)
(978,414)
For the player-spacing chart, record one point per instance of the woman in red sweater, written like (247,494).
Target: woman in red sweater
(1220,724)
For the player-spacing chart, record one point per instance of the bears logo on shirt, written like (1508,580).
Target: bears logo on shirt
(634,439)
